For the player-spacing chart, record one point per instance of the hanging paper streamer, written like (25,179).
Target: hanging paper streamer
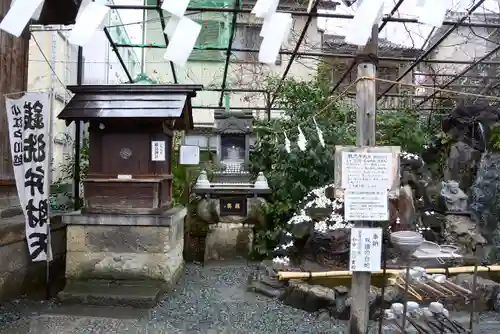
(301,141)
(433,12)
(88,22)
(264,8)
(275,34)
(182,42)
(320,133)
(287,144)
(170,27)
(19,15)
(267,20)
(175,7)
(359,28)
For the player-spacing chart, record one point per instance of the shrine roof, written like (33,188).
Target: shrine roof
(131,101)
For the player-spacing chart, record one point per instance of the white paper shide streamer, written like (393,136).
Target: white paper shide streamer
(433,12)
(287,143)
(19,14)
(264,8)
(359,28)
(87,23)
(182,42)
(175,7)
(29,123)
(275,33)
(301,140)
(320,133)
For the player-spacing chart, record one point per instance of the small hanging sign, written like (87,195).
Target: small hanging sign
(366,249)
(189,155)
(158,151)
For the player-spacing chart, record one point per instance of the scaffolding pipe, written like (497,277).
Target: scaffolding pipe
(303,13)
(325,54)
(228,53)
(118,55)
(294,53)
(432,47)
(464,71)
(165,37)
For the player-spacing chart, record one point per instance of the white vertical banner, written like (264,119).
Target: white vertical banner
(29,124)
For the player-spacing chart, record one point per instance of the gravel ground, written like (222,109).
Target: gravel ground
(210,299)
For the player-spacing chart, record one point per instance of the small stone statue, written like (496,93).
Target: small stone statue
(202,181)
(455,199)
(261,182)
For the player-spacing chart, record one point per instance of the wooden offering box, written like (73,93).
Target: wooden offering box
(130,143)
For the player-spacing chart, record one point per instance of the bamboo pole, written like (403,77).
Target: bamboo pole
(287,275)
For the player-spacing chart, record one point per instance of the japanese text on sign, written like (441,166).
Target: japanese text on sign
(367,170)
(366,249)
(158,151)
(363,205)
(28,130)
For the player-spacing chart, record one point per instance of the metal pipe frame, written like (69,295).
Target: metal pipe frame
(464,71)
(327,55)
(163,25)
(295,53)
(433,47)
(303,34)
(120,59)
(301,13)
(354,61)
(228,52)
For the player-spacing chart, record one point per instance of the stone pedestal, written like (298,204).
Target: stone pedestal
(228,241)
(134,250)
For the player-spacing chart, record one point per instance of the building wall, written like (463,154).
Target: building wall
(464,44)
(241,74)
(50,49)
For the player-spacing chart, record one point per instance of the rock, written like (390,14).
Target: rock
(308,297)
(461,230)
(452,198)
(462,164)
(488,290)
(483,196)
(463,124)
(256,211)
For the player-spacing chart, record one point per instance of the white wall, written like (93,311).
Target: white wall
(53,47)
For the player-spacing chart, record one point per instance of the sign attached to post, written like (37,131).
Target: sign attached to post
(158,151)
(366,249)
(189,155)
(366,205)
(362,170)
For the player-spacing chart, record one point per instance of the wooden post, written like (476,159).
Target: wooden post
(366,100)
(13,78)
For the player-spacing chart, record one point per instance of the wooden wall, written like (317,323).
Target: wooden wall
(14,54)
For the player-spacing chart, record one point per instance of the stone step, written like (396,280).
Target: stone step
(111,293)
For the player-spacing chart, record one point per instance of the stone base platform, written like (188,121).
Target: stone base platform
(138,294)
(110,256)
(228,241)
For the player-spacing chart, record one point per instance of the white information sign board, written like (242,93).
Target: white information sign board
(158,151)
(366,205)
(366,249)
(189,155)
(365,171)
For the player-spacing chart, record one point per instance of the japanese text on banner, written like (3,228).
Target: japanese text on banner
(28,131)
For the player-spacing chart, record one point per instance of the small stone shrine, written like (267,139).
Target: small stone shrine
(128,230)
(231,204)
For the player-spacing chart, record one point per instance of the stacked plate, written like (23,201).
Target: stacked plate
(407,241)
